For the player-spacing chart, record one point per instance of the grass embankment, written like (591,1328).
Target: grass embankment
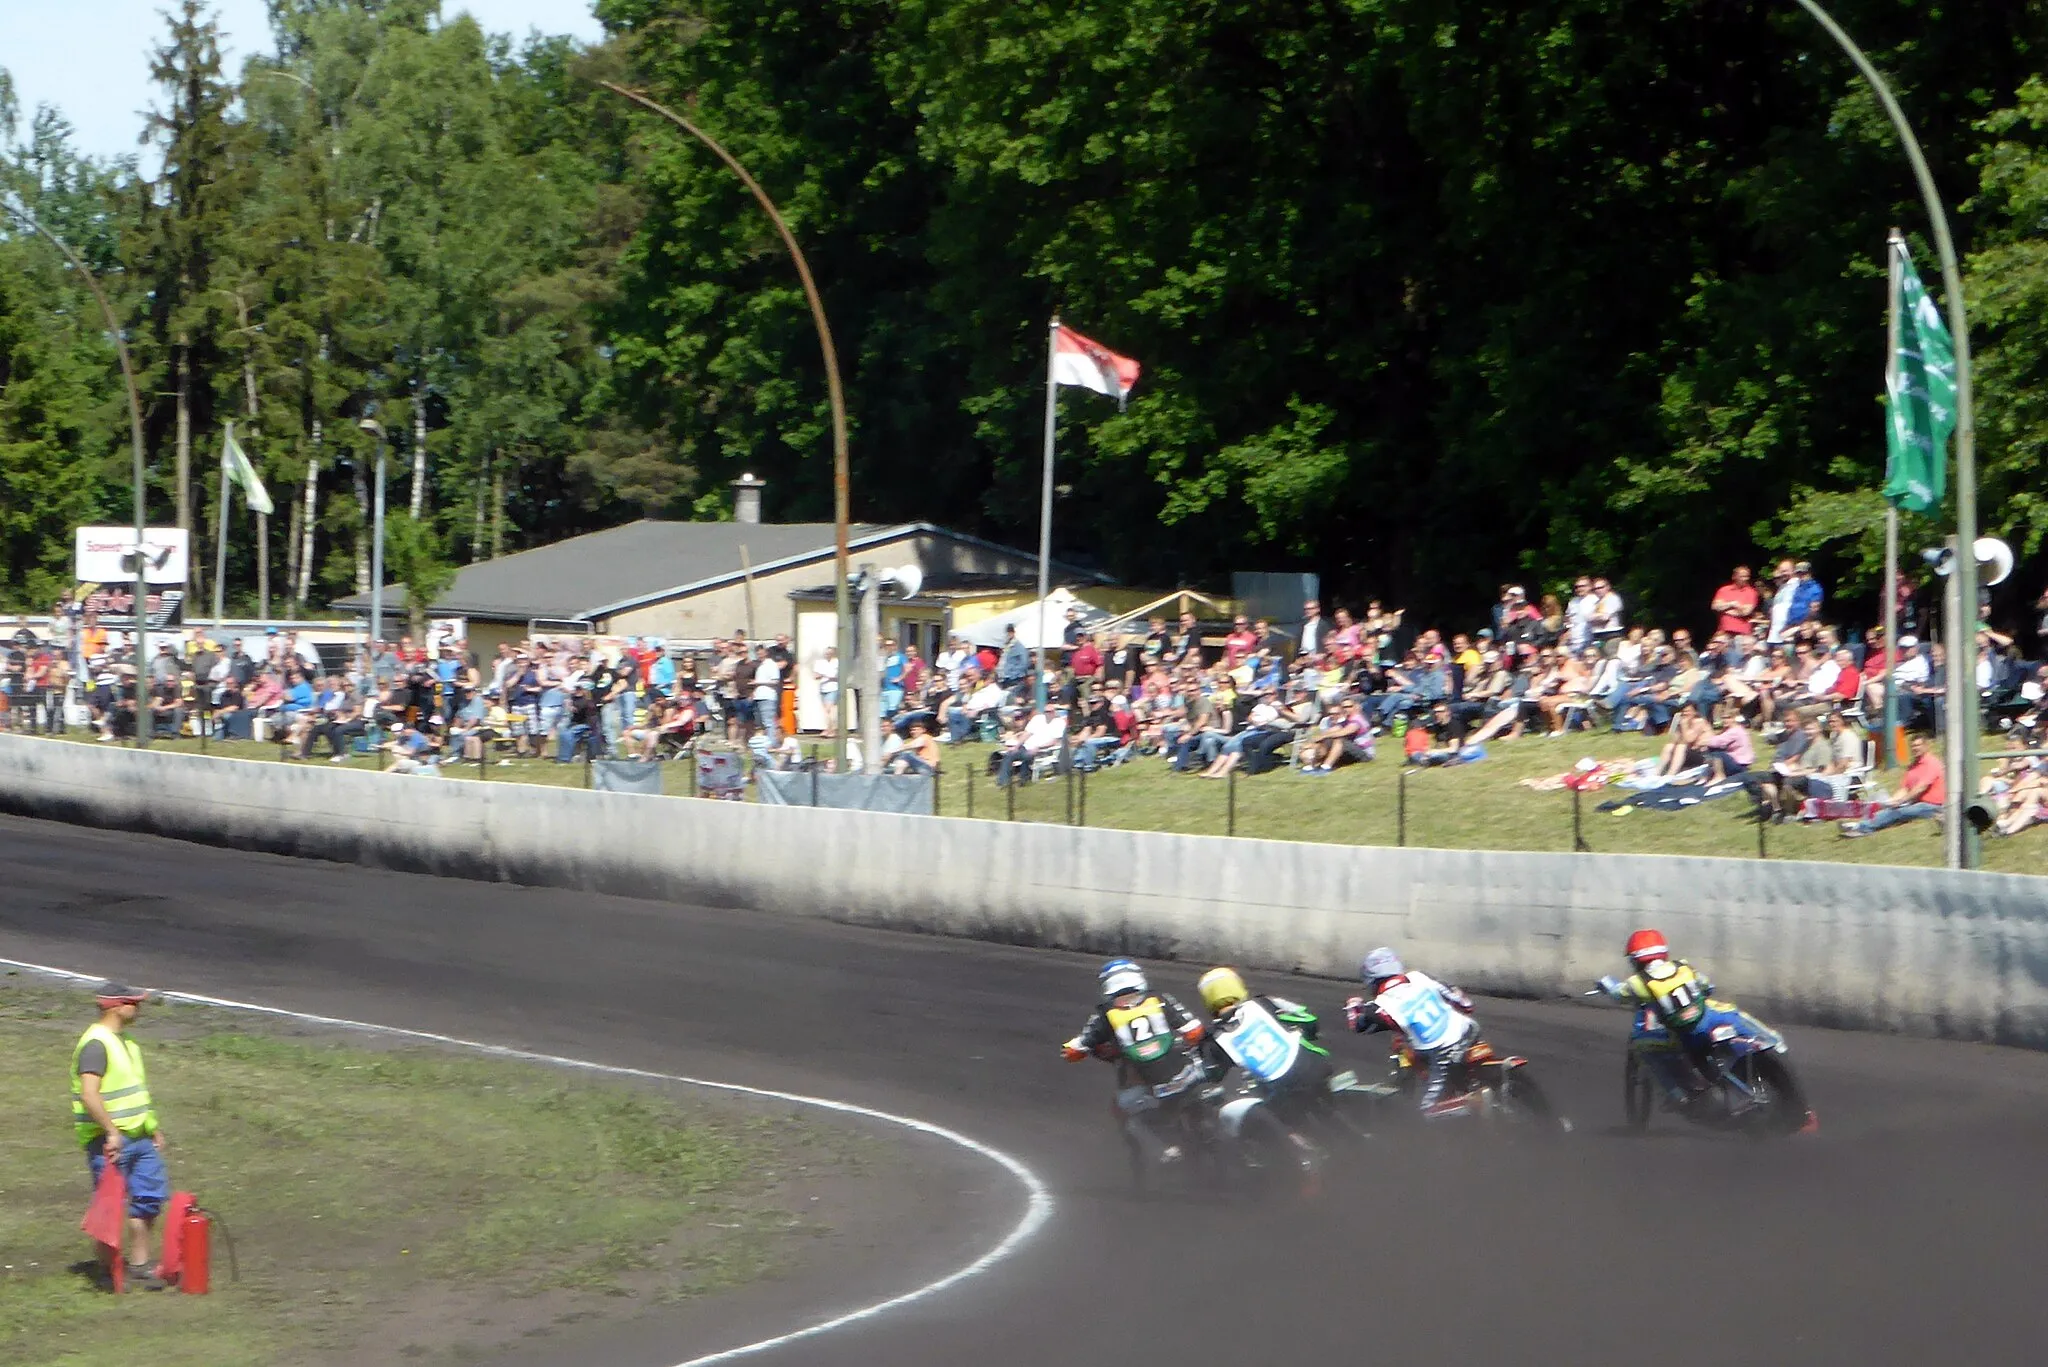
(387,1205)
(1478,806)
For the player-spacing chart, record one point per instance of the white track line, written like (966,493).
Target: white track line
(1037,1210)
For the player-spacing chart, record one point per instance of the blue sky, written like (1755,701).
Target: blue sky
(90,58)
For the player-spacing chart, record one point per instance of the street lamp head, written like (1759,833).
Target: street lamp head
(373,427)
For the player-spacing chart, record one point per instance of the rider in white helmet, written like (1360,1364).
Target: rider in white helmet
(1436,1021)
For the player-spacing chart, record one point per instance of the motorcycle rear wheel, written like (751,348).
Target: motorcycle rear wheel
(1638,1093)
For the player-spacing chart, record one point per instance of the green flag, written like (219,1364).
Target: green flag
(237,468)
(1920,398)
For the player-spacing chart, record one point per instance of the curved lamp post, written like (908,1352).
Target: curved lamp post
(143,721)
(840,480)
(1961,739)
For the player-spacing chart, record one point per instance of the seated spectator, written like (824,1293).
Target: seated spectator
(580,728)
(1728,751)
(1921,794)
(414,752)
(1687,747)
(1343,737)
(1925,704)
(919,754)
(1268,726)
(1802,753)
(984,700)
(1444,738)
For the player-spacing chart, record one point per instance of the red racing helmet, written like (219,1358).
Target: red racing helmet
(1647,946)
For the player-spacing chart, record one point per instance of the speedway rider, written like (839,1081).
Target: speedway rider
(1156,1044)
(1436,1021)
(1670,993)
(1271,1038)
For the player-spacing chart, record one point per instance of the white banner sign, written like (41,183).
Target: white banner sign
(106,555)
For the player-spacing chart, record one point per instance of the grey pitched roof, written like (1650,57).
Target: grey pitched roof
(589,576)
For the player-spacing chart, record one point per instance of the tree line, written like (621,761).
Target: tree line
(1429,294)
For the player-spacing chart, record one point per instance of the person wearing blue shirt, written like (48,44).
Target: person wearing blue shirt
(298,694)
(892,678)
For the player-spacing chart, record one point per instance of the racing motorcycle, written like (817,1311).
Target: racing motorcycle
(1293,1076)
(1496,1087)
(1230,1135)
(1747,1085)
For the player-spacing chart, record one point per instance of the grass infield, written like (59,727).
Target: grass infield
(387,1204)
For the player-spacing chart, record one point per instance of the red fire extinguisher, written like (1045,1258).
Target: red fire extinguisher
(197,1275)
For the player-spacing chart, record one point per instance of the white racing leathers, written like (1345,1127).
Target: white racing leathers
(1434,1020)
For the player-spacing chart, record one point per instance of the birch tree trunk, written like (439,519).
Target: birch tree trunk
(419,448)
(184,440)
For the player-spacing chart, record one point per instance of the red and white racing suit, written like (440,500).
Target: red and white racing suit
(1436,1021)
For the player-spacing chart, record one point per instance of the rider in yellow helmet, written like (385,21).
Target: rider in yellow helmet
(1245,1026)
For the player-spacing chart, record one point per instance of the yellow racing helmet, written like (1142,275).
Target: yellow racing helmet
(1221,989)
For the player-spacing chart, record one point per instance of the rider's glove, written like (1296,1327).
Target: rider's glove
(1356,1012)
(1610,986)
(1072,1050)
(1192,1032)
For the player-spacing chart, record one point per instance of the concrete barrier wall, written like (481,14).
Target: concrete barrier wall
(1913,950)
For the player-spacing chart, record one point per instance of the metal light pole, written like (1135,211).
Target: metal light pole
(143,722)
(841,480)
(376,429)
(1961,738)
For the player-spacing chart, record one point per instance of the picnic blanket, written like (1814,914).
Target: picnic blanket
(1838,809)
(1588,775)
(1672,799)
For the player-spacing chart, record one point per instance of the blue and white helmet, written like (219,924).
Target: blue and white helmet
(1119,976)
(1380,964)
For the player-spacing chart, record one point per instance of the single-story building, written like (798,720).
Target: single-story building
(691,582)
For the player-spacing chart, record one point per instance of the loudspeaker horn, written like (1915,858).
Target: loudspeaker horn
(1997,559)
(908,579)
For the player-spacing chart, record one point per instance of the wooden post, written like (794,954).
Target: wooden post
(1230,819)
(1401,809)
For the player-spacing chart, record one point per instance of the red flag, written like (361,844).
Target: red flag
(103,1218)
(1077,360)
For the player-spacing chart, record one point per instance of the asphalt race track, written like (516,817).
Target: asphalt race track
(1910,1230)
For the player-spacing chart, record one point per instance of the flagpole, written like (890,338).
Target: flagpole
(1892,249)
(1045,507)
(220,556)
(1962,733)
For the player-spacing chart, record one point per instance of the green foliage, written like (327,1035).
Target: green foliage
(1428,292)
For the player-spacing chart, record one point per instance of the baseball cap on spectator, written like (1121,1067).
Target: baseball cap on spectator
(1517,591)
(119,994)
(1908,642)
(270,631)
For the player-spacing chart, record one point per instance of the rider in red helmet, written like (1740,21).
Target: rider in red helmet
(1672,994)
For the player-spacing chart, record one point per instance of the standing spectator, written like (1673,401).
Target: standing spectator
(767,694)
(114,1117)
(1240,643)
(1013,666)
(1086,661)
(1578,616)
(1922,794)
(893,662)
(953,661)
(1607,613)
(1735,602)
(1187,641)
(1311,639)
(1070,634)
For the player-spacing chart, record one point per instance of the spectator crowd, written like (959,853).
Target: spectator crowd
(1777,690)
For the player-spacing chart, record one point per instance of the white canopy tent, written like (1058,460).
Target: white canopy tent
(1025,619)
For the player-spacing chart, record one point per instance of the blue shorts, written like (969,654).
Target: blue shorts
(142,1167)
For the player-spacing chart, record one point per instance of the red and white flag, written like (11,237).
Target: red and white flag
(1076,360)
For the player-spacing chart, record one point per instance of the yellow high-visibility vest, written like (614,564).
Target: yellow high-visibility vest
(124,1087)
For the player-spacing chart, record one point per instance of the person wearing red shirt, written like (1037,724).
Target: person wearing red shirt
(1922,793)
(1736,602)
(1086,661)
(1848,684)
(1240,643)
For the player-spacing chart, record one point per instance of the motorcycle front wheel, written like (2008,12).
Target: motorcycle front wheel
(1521,1101)
(1778,1103)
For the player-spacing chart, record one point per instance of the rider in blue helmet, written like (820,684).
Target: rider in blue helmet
(1435,1020)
